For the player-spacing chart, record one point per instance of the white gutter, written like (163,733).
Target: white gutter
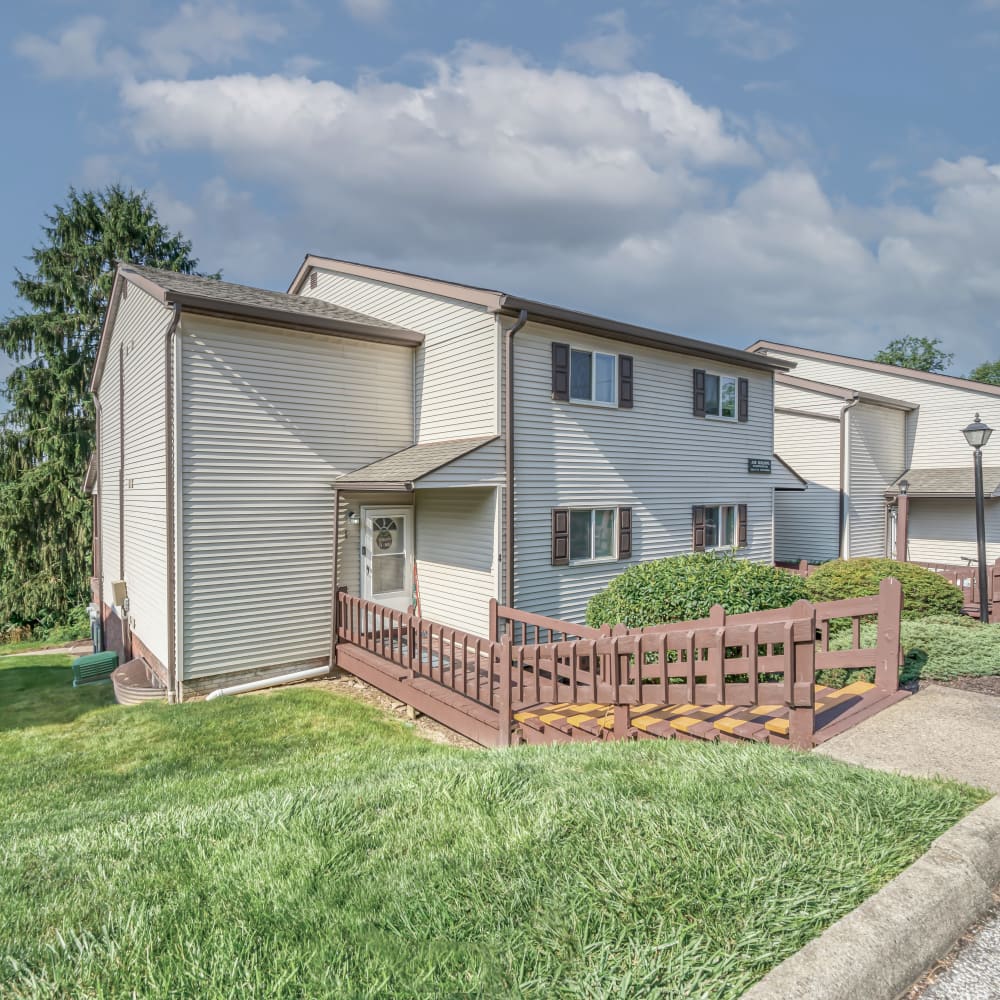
(298,675)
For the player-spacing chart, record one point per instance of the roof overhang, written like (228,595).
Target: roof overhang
(840,392)
(793,481)
(955,483)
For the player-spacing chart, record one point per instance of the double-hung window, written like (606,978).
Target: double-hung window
(592,534)
(593,377)
(720,396)
(720,527)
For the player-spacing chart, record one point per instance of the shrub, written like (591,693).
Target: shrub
(939,648)
(924,591)
(682,588)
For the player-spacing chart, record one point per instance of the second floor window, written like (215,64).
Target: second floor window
(593,377)
(720,396)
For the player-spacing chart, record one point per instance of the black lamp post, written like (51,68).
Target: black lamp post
(977,434)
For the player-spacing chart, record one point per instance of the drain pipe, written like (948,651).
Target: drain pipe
(168,412)
(298,675)
(844,539)
(508,554)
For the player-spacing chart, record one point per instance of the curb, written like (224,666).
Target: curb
(879,950)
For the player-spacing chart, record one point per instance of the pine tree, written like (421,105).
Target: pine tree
(47,434)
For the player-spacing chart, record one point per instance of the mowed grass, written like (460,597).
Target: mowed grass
(299,844)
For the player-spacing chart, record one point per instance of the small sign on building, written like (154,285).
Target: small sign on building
(759,465)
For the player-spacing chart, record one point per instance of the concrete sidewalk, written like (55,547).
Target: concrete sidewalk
(938,732)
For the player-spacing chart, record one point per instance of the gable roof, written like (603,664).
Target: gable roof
(402,469)
(763,346)
(500,302)
(244,303)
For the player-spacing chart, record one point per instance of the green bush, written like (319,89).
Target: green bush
(936,649)
(75,626)
(924,591)
(682,588)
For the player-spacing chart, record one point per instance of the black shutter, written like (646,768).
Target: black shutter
(699,393)
(698,528)
(560,536)
(743,399)
(742,519)
(560,372)
(624,532)
(625,396)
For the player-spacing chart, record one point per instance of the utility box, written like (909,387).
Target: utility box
(119,593)
(94,667)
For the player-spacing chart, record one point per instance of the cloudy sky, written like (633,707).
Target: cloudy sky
(825,174)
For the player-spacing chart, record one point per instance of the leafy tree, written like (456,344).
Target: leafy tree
(47,434)
(919,353)
(988,371)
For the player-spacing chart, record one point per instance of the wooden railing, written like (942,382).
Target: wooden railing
(523,627)
(966,578)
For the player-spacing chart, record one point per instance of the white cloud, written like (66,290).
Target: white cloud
(201,32)
(733,26)
(609,46)
(368,10)
(617,193)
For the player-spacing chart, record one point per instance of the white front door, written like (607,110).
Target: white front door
(387,556)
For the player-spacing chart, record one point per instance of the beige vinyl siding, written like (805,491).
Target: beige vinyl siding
(944,530)
(482,467)
(455,370)
(456,556)
(934,431)
(876,459)
(656,458)
(136,348)
(806,523)
(270,419)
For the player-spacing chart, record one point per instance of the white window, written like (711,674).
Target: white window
(592,534)
(721,531)
(721,396)
(593,377)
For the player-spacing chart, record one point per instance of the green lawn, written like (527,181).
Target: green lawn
(299,844)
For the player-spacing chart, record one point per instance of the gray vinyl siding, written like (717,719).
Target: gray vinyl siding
(455,370)
(806,523)
(876,457)
(482,467)
(807,400)
(456,556)
(944,530)
(270,418)
(656,458)
(137,345)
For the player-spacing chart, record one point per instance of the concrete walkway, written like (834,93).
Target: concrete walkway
(938,732)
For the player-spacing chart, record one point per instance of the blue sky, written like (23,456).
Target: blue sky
(823,174)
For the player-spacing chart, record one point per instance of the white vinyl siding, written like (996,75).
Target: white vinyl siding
(656,458)
(876,461)
(796,398)
(456,556)
(455,370)
(944,530)
(806,524)
(137,348)
(270,419)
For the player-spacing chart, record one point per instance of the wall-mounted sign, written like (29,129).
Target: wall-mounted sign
(759,465)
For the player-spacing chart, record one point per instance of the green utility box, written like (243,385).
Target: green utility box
(93,667)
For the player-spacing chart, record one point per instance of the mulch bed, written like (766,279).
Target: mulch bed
(979,685)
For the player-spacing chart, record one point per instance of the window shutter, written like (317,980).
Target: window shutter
(743,399)
(625,367)
(313,279)
(560,536)
(624,532)
(742,519)
(698,529)
(560,372)
(699,392)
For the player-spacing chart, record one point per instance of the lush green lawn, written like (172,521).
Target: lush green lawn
(300,845)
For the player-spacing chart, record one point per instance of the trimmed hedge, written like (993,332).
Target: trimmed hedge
(940,648)
(924,591)
(682,588)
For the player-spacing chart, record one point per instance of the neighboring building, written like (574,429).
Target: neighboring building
(234,422)
(860,432)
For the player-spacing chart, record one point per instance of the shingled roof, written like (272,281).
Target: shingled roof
(401,470)
(957,482)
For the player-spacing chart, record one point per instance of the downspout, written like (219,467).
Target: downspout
(844,535)
(508,433)
(168,412)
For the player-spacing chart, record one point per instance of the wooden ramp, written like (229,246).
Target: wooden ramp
(724,678)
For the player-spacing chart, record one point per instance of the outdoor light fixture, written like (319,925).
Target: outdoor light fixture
(352,517)
(977,434)
(904,487)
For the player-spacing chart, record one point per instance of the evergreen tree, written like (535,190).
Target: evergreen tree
(47,434)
